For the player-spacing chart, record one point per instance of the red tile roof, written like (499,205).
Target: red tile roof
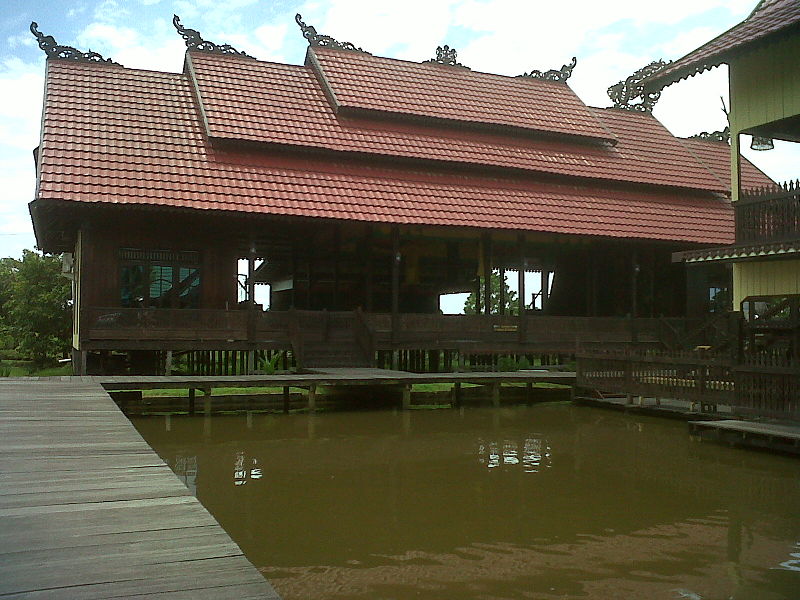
(373,83)
(770,17)
(284,104)
(717,156)
(122,136)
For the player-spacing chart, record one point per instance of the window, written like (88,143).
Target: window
(159,279)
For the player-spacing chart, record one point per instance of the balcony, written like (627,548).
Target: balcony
(768,215)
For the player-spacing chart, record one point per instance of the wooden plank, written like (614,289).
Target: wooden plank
(88,510)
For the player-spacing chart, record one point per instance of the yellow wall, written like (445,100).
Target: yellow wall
(776,277)
(764,87)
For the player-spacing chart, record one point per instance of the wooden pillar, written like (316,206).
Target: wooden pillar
(192,393)
(207,402)
(337,247)
(456,394)
(496,395)
(478,293)
(312,397)
(286,399)
(251,292)
(396,258)
(368,269)
(545,288)
(406,396)
(487,273)
(523,262)
(168,363)
(293,267)
(634,286)
(502,298)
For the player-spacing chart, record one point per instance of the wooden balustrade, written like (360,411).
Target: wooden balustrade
(769,214)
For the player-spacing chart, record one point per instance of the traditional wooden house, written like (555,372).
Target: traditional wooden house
(368,186)
(763,58)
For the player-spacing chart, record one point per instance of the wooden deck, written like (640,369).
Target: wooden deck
(88,510)
(781,437)
(326,377)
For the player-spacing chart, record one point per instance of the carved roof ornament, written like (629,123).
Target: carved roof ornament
(624,93)
(560,75)
(325,41)
(445,55)
(714,136)
(54,50)
(194,41)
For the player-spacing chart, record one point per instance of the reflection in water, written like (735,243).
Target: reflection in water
(544,502)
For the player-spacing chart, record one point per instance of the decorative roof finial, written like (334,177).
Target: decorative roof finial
(445,55)
(560,75)
(325,41)
(632,88)
(194,41)
(54,50)
(715,136)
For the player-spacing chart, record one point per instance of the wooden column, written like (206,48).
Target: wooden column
(634,278)
(251,292)
(502,298)
(168,363)
(487,273)
(293,293)
(368,269)
(337,247)
(396,258)
(521,285)
(406,396)
(545,288)
(312,397)
(477,293)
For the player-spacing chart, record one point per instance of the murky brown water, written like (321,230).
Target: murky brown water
(551,501)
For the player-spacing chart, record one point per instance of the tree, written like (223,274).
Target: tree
(38,311)
(510,297)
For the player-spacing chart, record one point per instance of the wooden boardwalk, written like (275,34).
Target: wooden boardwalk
(88,510)
(780,437)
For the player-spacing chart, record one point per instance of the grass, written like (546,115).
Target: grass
(21,368)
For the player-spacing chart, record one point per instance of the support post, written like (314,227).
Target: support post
(487,273)
(368,269)
(634,279)
(406,396)
(502,291)
(168,363)
(312,397)
(207,402)
(545,289)
(521,333)
(286,399)
(456,394)
(396,258)
(496,395)
(192,393)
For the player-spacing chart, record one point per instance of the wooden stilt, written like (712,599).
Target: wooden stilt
(286,399)
(312,397)
(406,397)
(168,363)
(192,392)
(207,402)
(496,395)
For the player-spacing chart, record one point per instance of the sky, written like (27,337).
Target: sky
(610,40)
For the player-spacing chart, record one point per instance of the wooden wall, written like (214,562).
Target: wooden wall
(99,269)
(765,278)
(764,87)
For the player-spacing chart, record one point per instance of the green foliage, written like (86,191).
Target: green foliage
(511,306)
(35,306)
(269,366)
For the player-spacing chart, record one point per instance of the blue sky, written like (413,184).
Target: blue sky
(610,39)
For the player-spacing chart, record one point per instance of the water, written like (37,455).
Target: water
(550,501)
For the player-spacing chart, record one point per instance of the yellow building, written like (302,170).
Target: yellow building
(763,57)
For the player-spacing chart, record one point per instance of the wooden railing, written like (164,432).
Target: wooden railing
(765,384)
(770,214)
(163,324)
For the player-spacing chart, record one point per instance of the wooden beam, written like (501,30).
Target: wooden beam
(396,258)
(487,273)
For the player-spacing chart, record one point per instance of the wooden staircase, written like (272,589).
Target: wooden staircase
(336,339)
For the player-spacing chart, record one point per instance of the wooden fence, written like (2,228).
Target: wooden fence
(765,384)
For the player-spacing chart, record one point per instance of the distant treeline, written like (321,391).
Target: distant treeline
(35,308)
